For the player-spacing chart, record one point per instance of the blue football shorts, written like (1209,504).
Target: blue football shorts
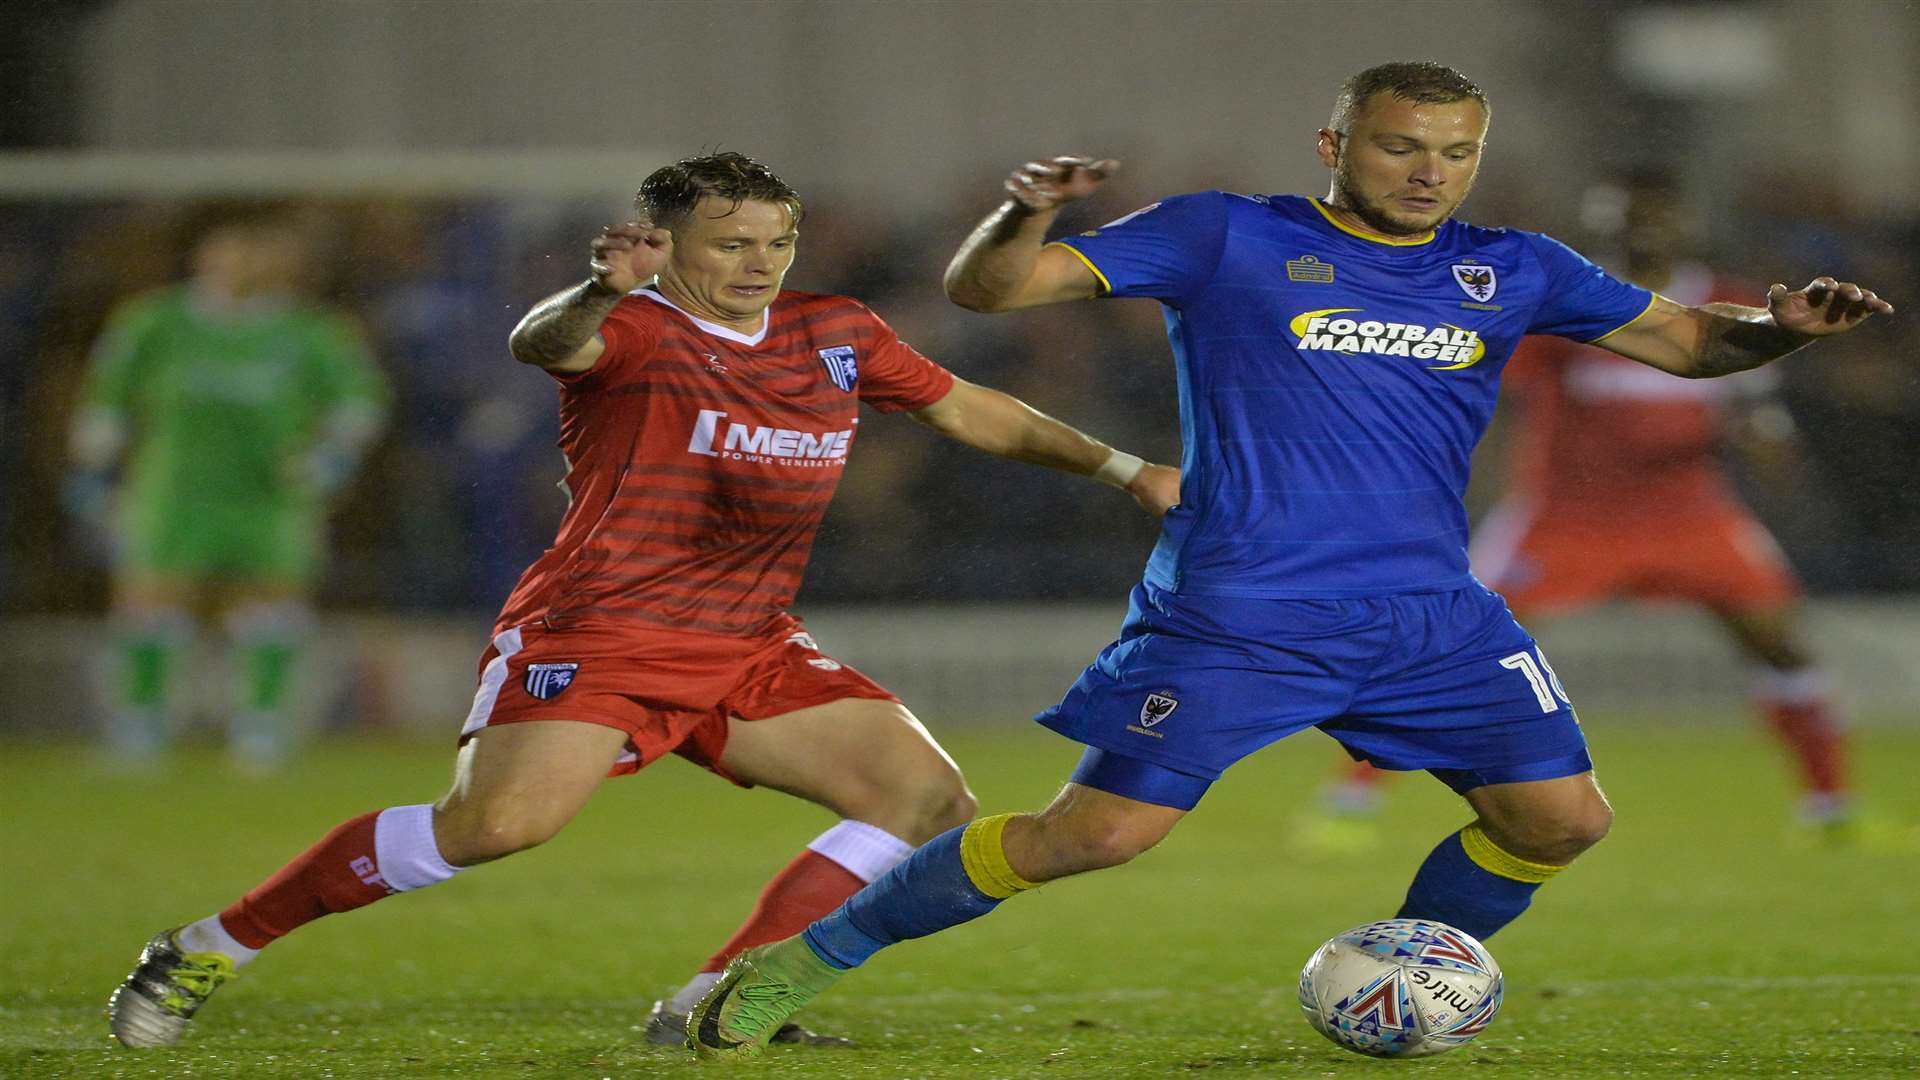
(1444,681)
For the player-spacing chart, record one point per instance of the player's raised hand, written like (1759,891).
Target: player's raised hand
(628,255)
(1050,184)
(1824,307)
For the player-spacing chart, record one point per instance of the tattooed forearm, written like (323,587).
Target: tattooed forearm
(1741,338)
(557,326)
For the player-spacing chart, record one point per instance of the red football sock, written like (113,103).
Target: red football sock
(804,890)
(337,874)
(1817,740)
(1361,774)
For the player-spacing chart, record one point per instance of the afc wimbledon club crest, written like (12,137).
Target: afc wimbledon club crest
(1157,708)
(1475,280)
(841,366)
(546,681)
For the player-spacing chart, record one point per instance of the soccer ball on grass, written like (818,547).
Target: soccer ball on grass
(1401,988)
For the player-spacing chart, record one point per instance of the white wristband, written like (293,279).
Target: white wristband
(1119,469)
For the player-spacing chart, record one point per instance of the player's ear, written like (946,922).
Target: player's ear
(1328,147)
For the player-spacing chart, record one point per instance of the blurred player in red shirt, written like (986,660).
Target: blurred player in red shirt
(706,416)
(1618,490)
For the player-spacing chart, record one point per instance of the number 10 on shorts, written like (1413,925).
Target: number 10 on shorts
(1540,676)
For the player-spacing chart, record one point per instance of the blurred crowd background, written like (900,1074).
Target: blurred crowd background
(1795,128)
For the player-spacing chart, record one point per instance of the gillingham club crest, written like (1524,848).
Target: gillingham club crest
(842,367)
(1476,280)
(545,682)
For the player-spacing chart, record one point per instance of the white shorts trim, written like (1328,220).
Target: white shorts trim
(491,680)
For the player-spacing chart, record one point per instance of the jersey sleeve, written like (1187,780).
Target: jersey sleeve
(895,377)
(1582,301)
(1167,250)
(629,334)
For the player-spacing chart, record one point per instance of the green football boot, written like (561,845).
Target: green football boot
(166,988)
(756,994)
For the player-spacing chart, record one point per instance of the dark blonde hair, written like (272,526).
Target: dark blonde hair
(1422,82)
(670,193)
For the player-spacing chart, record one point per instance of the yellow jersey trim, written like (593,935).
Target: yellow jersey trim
(1643,314)
(1105,285)
(1494,859)
(985,860)
(1411,241)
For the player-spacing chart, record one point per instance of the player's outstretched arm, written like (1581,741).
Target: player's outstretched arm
(1003,265)
(1001,424)
(1719,339)
(561,333)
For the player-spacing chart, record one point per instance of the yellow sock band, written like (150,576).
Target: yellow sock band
(1494,859)
(985,859)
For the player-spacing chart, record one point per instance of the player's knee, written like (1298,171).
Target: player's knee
(936,802)
(1102,844)
(1559,839)
(465,838)
(916,802)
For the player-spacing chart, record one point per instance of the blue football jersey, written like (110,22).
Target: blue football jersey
(1333,386)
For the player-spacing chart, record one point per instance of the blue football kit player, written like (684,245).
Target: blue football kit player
(1337,362)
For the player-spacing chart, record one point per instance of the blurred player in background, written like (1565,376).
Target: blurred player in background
(1618,489)
(706,416)
(1338,359)
(219,419)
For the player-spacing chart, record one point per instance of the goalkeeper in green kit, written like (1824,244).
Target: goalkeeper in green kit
(218,418)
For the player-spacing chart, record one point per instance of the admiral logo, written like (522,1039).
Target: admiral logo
(1328,330)
(1479,282)
(1308,268)
(544,682)
(842,366)
(779,446)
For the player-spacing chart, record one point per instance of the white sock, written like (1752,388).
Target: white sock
(690,994)
(866,851)
(404,847)
(210,935)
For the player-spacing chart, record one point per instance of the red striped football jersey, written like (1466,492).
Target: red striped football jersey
(700,460)
(1600,435)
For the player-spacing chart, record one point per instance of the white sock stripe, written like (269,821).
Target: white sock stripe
(210,935)
(404,849)
(1804,686)
(866,851)
(491,680)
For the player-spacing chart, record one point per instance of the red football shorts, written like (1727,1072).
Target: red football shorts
(670,691)
(1720,558)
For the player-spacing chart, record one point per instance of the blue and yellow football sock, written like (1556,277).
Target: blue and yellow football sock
(956,877)
(1471,883)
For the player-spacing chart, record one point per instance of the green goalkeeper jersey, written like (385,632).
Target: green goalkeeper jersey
(222,409)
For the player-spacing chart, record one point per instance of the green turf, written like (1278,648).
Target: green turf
(1695,942)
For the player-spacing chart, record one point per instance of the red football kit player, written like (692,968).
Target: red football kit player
(706,418)
(1617,491)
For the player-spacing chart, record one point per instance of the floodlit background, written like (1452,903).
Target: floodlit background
(453,159)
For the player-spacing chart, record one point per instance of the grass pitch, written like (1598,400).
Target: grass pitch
(1696,941)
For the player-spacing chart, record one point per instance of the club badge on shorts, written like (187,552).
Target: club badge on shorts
(1158,707)
(545,682)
